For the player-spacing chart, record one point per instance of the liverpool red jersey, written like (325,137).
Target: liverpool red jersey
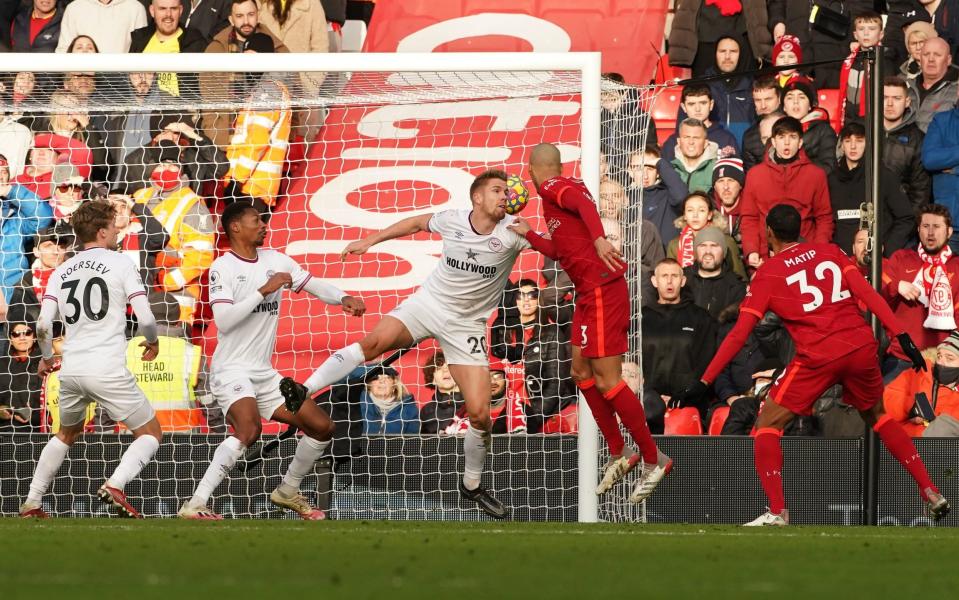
(573,224)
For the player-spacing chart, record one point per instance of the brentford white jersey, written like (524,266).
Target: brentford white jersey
(249,345)
(474,267)
(92,290)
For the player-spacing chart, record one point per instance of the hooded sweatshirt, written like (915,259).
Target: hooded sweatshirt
(109,25)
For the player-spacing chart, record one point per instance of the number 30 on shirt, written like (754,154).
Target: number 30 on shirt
(822,269)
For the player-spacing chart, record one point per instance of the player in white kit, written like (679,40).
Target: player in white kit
(91,291)
(246,293)
(452,306)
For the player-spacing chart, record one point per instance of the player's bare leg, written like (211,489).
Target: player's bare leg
(389,334)
(904,450)
(772,419)
(244,417)
(473,382)
(146,441)
(317,428)
(52,457)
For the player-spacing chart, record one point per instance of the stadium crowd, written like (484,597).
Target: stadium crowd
(741,143)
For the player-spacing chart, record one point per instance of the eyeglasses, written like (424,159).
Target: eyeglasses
(21,333)
(69,188)
(497,375)
(530,295)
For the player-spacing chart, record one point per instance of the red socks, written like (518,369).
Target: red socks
(769,467)
(603,415)
(630,411)
(900,446)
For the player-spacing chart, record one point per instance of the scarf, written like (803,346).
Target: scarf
(935,291)
(41,276)
(727,8)
(844,86)
(684,252)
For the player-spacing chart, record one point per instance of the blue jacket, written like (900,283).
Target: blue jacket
(733,107)
(940,152)
(662,201)
(404,418)
(23,214)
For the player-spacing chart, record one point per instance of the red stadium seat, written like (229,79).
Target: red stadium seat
(664,112)
(567,421)
(718,420)
(830,99)
(683,421)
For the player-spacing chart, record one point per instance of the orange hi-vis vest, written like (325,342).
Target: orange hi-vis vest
(258,148)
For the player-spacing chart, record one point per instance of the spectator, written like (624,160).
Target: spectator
(18,91)
(163,35)
(709,282)
(108,22)
(506,408)
(901,396)
(696,102)
(695,156)
(621,121)
(437,414)
(736,380)
(940,156)
(902,144)
(785,176)
(68,192)
(69,119)
(141,237)
(187,221)
(36,28)
(847,191)
(699,24)
(81,85)
(744,408)
(916,35)
(387,407)
(612,200)
(787,52)
(766,100)
(661,189)
(83,44)
(868,32)
(731,94)
(818,139)
(651,252)
(679,337)
(52,152)
(208,17)
(911,278)
(697,216)
(15,142)
(19,382)
(943,14)
(51,247)
(728,180)
(24,214)
(860,251)
(934,89)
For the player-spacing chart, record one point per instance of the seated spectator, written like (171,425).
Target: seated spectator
(209,17)
(868,32)
(621,122)
(506,407)
(787,51)
(695,156)
(902,144)
(744,408)
(912,277)
(766,100)
(934,89)
(916,35)
(612,200)
(696,102)
(69,119)
(36,28)
(82,85)
(163,35)
(108,22)
(54,153)
(20,406)
(936,415)
(736,380)
(15,142)
(940,159)
(818,138)
(709,282)
(731,94)
(847,191)
(556,297)
(698,215)
(786,175)
(18,91)
(728,180)
(387,407)
(83,44)
(437,414)
(661,188)
(24,214)
(51,247)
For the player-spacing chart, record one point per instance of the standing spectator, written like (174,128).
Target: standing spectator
(766,100)
(24,214)
(868,32)
(163,35)
(696,102)
(902,144)
(731,94)
(900,396)
(847,192)
(709,282)
(940,156)
(744,407)
(19,382)
(699,24)
(621,122)
(695,156)
(437,414)
(68,192)
(916,35)
(787,52)
(818,139)
(786,176)
(108,22)
(51,246)
(697,216)
(921,286)
(200,161)
(208,17)
(15,142)
(728,180)
(662,190)
(934,89)
(36,28)
(944,14)
(385,404)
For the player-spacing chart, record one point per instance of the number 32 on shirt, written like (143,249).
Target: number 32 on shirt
(824,270)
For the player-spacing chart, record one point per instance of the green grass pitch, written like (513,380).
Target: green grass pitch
(174,560)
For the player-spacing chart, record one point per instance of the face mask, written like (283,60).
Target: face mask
(945,375)
(61,211)
(165,180)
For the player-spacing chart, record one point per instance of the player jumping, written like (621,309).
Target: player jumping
(813,288)
(91,292)
(452,307)
(246,293)
(600,320)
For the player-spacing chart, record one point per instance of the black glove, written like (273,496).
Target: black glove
(693,395)
(910,350)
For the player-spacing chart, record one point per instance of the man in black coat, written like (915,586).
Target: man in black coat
(709,283)
(164,30)
(22,35)
(902,145)
(766,100)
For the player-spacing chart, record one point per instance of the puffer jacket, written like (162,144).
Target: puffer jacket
(684,35)
(940,155)
(819,139)
(698,176)
(902,154)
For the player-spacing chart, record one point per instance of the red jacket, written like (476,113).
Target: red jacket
(800,184)
(903,266)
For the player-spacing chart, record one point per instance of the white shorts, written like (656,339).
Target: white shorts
(230,386)
(463,342)
(119,395)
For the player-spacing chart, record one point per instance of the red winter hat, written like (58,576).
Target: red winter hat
(789,43)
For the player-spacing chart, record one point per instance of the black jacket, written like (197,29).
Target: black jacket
(661,201)
(209,18)
(714,294)
(191,41)
(46,40)
(437,414)
(24,306)
(847,191)
(737,378)
(679,340)
(819,140)
(20,388)
(902,154)
(201,161)
(753,148)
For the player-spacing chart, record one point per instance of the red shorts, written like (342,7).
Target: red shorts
(601,320)
(799,386)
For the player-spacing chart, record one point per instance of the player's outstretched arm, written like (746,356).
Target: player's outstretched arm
(586,210)
(733,343)
(146,326)
(402,228)
(521,227)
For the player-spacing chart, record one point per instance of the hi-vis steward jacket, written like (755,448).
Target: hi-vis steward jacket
(169,381)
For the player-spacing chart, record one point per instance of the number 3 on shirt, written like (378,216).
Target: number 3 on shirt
(817,298)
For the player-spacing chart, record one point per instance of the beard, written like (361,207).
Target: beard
(934,249)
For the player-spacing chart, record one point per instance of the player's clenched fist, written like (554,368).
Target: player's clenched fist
(150,351)
(608,254)
(519,226)
(358,247)
(353,306)
(275,282)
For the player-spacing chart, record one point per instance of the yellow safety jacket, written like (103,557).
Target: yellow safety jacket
(169,381)
(51,398)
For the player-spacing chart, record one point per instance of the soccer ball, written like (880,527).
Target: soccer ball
(518,194)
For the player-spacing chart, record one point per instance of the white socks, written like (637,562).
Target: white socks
(475,448)
(136,457)
(308,451)
(226,455)
(335,368)
(50,460)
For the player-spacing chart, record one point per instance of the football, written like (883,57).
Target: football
(518,194)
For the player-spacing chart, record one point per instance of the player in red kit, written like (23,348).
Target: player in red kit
(814,289)
(600,320)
